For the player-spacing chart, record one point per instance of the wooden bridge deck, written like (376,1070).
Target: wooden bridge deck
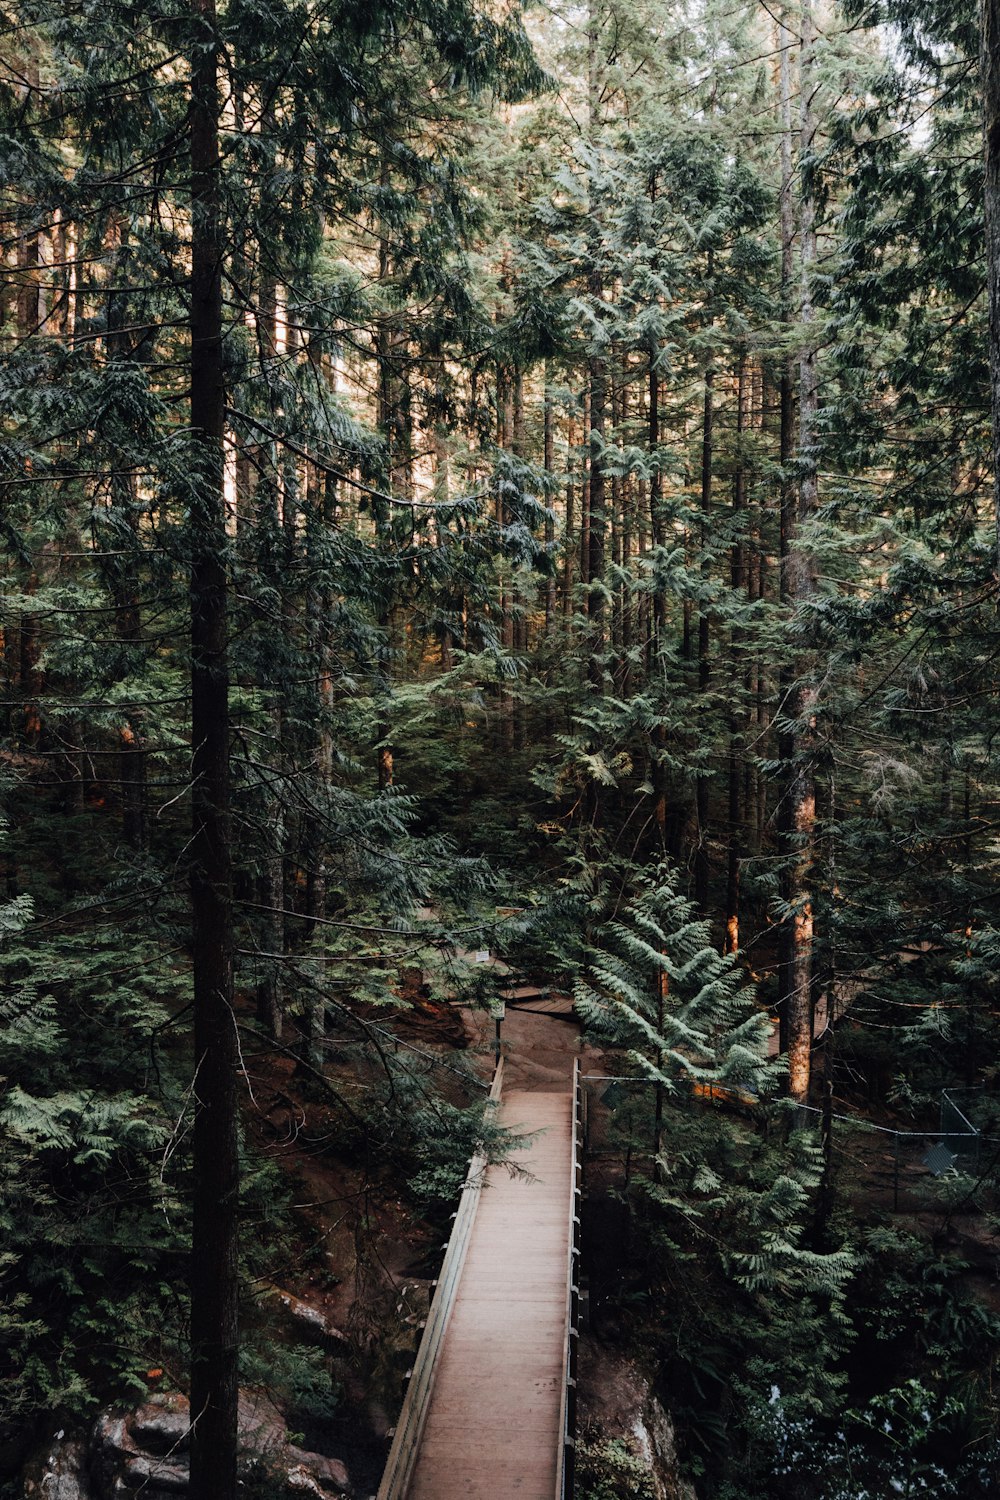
(493,1429)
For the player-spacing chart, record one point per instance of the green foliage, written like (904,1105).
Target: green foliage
(609,1470)
(724,1287)
(91,1219)
(679,1013)
(908,1440)
(446,326)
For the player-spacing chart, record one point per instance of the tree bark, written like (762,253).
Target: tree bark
(214,1245)
(787,512)
(802,790)
(989,16)
(655,495)
(569,541)
(701,861)
(123,582)
(737,577)
(548,463)
(597,530)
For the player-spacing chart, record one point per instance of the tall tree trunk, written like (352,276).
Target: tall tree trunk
(615,521)
(657,641)
(597,377)
(519,612)
(788,501)
(802,791)
(597,518)
(737,578)
(585,502)
(27,649)
(214,1240)
(569,540)
(701,861)
(989,15)
(655,494)
(394,425)
(548,463)
(270,997)
(506,401)
(119,568)
(628,521)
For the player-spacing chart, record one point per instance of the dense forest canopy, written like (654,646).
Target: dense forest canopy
(513,479)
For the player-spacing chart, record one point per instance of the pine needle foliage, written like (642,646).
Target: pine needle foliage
(724,1277)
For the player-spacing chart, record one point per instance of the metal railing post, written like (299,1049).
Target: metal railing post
(566,1453)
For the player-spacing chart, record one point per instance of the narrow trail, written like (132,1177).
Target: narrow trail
(494,1422)
(493,1428)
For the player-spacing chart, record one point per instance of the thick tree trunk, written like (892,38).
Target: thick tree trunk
(28,311)
(214,1245)
(990,69)
(788,502)
(270,997)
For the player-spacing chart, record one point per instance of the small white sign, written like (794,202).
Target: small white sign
(482,957)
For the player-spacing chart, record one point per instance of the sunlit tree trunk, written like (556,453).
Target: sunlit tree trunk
(788,502)
(802,790)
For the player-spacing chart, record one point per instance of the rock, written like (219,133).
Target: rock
(300,1480)
(144,1471)
(308,1319)
(378,1419)
(654,1435)
(145,1452)
(261,1427)
(618,1401)
(162,1426)
(330,1473)
(59,1472)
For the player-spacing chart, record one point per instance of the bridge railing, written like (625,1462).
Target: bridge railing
(566,1469)
(413,1416)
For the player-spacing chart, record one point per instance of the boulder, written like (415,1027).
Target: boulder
(329,1473)
(59,1471)
(162,1426)
(146,1452)
(309,1321)
(148,1472)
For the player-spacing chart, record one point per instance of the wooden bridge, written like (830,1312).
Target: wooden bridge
(490,1408)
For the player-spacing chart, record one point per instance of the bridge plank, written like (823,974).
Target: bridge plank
(493,1428)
